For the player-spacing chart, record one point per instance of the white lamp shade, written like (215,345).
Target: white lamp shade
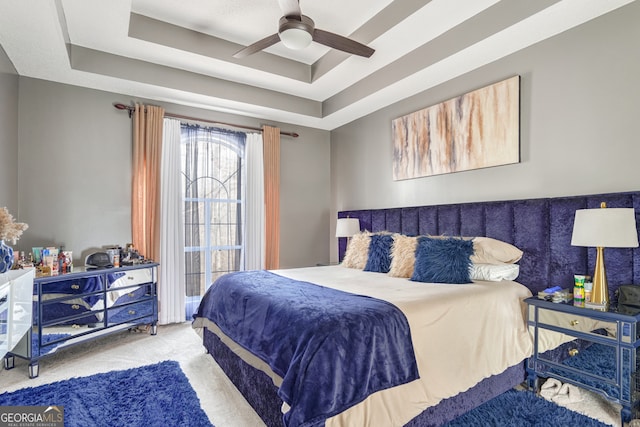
(347,227)
(295,38)
(605,228)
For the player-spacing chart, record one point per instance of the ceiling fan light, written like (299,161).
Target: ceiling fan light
(295,38)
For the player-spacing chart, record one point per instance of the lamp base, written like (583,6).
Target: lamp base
(594,306)
(600,291)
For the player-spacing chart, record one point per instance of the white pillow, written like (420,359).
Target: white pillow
(494,272)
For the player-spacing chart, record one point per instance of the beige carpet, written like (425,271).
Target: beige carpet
(219,398)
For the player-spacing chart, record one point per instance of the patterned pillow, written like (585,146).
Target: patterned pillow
(379,259)
(443,260)
(358,251)
(403,255)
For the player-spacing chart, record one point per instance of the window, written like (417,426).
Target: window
(212,162)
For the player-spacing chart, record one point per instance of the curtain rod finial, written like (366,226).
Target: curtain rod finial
(123,107)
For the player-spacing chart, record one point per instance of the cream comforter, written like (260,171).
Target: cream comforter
(461,334)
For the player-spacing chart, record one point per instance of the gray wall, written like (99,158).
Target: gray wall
(579,133)
(8,135)
(75,173)
(578,110)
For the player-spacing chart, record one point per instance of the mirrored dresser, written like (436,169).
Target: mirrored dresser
(86,304)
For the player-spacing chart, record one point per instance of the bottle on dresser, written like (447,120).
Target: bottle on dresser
(578,290)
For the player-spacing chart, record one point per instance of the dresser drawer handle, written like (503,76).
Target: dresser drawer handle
(130,277)
(75,307)
(74,286)
(132,312)
(74,326)
(575,322)
(573,352)
(130,294)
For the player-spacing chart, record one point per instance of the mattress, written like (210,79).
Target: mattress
(461,335)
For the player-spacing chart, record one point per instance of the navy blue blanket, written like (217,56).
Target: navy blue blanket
(331,348)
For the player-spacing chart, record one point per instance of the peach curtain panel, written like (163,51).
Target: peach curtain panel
(271,152)
(145,191)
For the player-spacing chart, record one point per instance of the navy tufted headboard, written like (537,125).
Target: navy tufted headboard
(540,227)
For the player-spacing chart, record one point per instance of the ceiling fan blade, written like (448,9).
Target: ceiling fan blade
(290,7)
(339,42)
(257,46)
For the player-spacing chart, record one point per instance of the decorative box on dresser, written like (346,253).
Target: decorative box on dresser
(86,304)
(601,353)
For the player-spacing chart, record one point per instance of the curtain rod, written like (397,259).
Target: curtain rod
(178,116)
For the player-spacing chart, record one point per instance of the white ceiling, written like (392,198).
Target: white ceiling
(180,51)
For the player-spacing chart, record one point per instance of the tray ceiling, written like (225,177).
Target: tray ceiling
(181,51)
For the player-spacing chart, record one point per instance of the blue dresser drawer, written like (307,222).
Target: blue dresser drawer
(80,285)
(71,315)
(131,277)
(127,295)
(67,312)
(132,312)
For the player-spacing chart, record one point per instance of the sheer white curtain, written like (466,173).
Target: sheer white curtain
(254,223)
(171,285)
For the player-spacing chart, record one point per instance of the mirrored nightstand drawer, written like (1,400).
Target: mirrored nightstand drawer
(574,322)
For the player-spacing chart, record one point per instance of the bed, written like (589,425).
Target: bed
(457,369)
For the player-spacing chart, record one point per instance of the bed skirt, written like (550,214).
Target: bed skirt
(256,386)
(259,391)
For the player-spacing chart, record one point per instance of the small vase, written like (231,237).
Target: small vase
(6,257)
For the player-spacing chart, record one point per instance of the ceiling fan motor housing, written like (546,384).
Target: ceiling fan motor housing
(296,32)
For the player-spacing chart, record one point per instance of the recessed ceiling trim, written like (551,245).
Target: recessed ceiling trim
(550,22)
(93,61)
(64,29)
(382,22)
(165,34)
(460,37)
(87,44)
(6,66)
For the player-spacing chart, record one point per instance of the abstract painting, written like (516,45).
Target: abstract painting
(479,129)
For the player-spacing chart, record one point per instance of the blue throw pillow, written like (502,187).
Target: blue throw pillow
(445,260)
(379,258)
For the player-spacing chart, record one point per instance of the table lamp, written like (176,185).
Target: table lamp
(604,228)
(347,227)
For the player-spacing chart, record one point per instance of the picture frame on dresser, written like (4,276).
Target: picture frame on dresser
(86,304)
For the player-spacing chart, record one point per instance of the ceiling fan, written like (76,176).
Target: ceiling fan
(297,31)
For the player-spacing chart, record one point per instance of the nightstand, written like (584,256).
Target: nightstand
(601,352)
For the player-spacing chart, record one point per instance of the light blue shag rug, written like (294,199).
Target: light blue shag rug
(153,395)
(520,409)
